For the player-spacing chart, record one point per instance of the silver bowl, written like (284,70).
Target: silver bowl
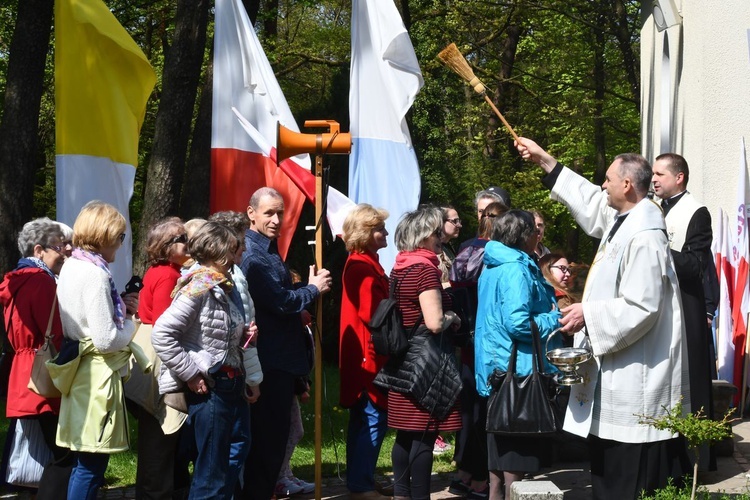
(567,360)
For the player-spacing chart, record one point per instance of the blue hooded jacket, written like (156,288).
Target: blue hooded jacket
(512,291)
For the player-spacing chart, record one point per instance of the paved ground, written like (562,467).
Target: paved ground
(573,478)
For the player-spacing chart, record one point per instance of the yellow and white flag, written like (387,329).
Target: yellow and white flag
(102,83)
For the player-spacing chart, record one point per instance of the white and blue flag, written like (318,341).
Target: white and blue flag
(385,78)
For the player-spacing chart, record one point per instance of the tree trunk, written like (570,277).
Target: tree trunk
(271,21)
(620,24)
(252,7)
(195,192)
(600,146)
(182,69)
(19,129)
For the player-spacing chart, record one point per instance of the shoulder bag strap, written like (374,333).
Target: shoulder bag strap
(48,332)
(536,343)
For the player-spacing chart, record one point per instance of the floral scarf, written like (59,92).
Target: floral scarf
(199,281)
(98,261)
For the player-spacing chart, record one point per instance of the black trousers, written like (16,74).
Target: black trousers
(56,474)
(160,473)
(623,470)
(270,418)
(471,440)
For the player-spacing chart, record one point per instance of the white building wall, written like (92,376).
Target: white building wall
(695,95)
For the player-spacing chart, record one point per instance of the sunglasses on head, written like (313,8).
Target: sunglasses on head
(182,238)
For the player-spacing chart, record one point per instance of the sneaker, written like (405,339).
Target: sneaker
(286,487)
(440,446)
(459,488)
(478,495)
(306,487)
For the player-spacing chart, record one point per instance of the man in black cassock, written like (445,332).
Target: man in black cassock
(689,232)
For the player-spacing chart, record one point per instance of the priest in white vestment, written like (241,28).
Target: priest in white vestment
(631,314)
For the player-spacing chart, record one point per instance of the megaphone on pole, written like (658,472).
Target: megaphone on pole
(333,142)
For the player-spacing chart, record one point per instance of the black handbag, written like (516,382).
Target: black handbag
(524,405)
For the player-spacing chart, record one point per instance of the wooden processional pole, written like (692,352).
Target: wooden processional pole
(290,143)
(318,332)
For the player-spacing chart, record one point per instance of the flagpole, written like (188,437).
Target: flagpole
(319,327)
(743,391)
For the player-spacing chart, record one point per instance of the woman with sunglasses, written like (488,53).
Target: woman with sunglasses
(471,441)
(98,328)
(27,295)
(158,473)
(451,230)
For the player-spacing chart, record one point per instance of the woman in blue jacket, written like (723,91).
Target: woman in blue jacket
(512,292)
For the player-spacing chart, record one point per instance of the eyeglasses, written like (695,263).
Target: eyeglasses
(56,248)
(182,238)
(122,238)
(563,269)
(455,222)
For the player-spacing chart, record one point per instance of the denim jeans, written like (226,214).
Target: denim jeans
(220,421)
(367,427)
(87,476)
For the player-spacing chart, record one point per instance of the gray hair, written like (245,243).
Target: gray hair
(415,227)
(38,232)
(484,194)
(260,193)
(66,230)
(636,168)
(236,221)
(514,228)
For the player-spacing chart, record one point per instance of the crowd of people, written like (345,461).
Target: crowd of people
(212,351)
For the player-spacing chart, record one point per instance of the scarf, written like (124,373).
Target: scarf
(418,256)
(98,261)
(34,262)
(202,279)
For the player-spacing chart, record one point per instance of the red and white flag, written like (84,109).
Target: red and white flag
(243,79)
(724,341)
(740,259)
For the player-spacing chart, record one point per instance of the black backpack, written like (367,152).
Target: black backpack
(387,327)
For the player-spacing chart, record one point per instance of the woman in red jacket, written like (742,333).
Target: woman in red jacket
(160,472)
(28,297)
(364,286)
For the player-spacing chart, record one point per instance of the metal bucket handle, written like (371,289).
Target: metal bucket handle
(546,344)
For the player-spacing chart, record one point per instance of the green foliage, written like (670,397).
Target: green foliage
(671,492)
(695,427)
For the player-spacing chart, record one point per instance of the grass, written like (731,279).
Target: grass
(333,448)
(122,466)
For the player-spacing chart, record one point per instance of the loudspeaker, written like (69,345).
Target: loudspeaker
(665,14)
(290,143)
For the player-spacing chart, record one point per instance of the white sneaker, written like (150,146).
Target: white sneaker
(286,487)
(306,487)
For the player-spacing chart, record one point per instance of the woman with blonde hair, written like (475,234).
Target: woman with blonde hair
(98,328)
(557,271)
(364,286)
